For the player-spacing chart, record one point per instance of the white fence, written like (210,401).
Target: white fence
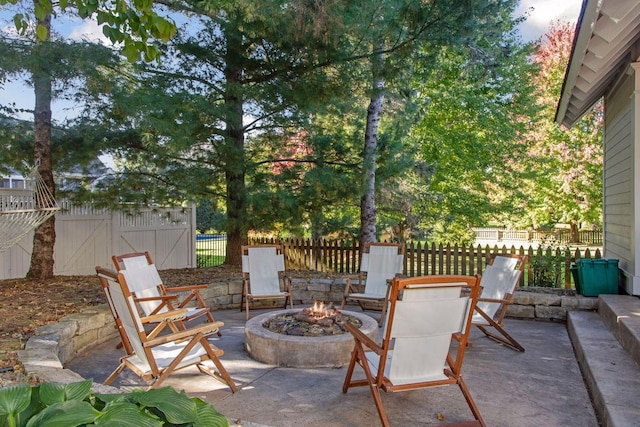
(87,237)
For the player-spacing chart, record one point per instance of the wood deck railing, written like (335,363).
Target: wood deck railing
(343,257)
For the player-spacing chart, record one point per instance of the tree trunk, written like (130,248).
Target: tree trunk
(574,233)
(234,152)
(45,235)
(374,112)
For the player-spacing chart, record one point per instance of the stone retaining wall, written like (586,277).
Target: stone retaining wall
(528,303)
(53,345)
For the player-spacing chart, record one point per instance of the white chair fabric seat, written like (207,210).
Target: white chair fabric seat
(264,275)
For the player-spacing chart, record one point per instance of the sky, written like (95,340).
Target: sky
(542,12)
(540,15)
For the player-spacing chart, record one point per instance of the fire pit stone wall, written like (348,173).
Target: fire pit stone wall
(307,287)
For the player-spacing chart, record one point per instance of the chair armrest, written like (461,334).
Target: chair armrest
(165,298)
(500,301)
(205,329)
(185,288)
(286,281)
(349,286)
(167,315)
(358,335)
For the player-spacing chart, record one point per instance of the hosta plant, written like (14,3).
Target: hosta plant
(58,405)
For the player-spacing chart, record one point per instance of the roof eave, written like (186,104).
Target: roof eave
(584,32)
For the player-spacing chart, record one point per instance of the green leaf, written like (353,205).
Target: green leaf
(14,399)
(107,398)
(19,21)
(120,413)
(63,4)
(150,53)
(208,416)
(178,408)
(52,392)
(69,413)
(143,5)
(130,51)
(42,32)
(42,10)
(163,29)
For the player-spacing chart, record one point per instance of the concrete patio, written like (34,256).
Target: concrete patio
(542,386)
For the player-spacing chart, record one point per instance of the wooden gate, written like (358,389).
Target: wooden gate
(87,237)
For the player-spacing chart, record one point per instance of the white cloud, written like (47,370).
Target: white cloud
(89,30)
(540,14)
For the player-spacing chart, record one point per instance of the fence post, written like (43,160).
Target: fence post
(193,261)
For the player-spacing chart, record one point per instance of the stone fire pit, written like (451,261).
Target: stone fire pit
(290,351)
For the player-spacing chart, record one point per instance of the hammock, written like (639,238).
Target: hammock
(22,211)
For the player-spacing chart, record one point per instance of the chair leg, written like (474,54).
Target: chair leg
(212,320)
(506,339)
(352,365)
(114,374)
(222,373)
(358,355)
(470,401)
(375,391)
(383,313)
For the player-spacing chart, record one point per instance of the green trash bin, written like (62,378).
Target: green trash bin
(576,277)
(597,276)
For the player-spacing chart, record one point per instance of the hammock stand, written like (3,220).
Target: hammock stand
(22,211)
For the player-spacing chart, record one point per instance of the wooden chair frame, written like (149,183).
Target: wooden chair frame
(284,281)
(377,379)
(167,298)
(358,291)
(483,321)
(190,345)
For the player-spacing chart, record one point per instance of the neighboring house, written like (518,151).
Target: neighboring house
(605,63)
(15,181)
(68,180)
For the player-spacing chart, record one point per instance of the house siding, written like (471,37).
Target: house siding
(621,166)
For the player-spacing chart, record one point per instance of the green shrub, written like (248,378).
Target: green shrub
(60,405)
(548,265)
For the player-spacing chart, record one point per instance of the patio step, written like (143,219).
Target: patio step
(607,348)
(621,315)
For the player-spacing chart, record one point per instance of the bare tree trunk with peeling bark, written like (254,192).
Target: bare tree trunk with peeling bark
(374,113)
(45,235)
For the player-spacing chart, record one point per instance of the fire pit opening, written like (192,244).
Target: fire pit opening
(317,320)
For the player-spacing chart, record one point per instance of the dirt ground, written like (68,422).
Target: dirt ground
(28,304)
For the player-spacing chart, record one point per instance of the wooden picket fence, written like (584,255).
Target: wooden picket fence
(343,257)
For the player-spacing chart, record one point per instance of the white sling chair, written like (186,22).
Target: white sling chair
(416,352)
(499,281)
(380,263)
(151,294)
(263,272)
(154,356)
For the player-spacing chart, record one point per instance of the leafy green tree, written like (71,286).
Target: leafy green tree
(404,39)
(564,184)
(243,70)
(475,106)
(133,24)
(208,217)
